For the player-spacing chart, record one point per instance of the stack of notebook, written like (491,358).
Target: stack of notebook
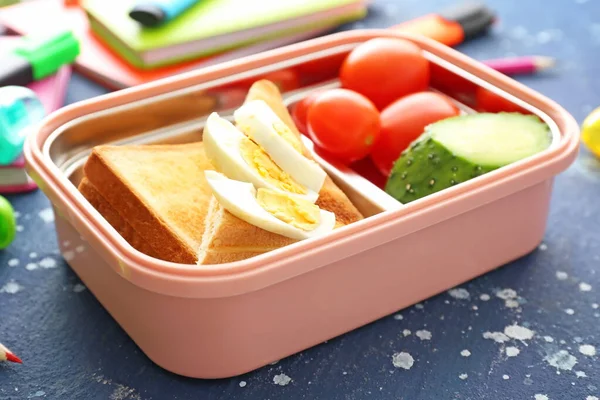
(117,52)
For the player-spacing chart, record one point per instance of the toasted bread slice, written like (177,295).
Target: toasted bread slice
(157,198)
(159,190)
(114,218)
(228,238)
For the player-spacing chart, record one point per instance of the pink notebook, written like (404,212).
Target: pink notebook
(51,92)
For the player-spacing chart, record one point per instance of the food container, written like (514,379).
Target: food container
(218,321)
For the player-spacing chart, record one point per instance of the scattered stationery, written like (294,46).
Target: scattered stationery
(521,65)
(8,229)
(20,109)
(590,132)
(51,91)
(7,355)
(99,63)
(453,25)
(14,178)
(36,57)
(211,27)
(157,12)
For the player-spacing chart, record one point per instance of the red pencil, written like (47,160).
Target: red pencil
(520,65)
(7,355)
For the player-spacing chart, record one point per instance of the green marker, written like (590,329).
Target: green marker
(8,225)
(37,57)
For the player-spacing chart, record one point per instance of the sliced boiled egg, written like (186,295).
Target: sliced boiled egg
(260,123)
(271,210)
(239,158)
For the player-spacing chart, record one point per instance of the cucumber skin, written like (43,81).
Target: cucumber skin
(427,167)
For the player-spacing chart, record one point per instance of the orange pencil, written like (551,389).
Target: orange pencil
(7,355)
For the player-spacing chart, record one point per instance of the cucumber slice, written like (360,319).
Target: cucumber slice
(460,148)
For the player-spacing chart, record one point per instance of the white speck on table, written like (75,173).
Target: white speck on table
(506,294)
(13,262)
(281,379)
(11,287)
(560,275)
(587,350)
(512,351)
(48,262)
(406,332)
(31,266)
(497,337)
(549,339)
(570,311)
(463,376)
(242,383)
(465,353)
(78,288)
(46,215)
(561,360)
(403,360)
(518,332)
(459,293)
(484,297)
(585,287)
(580,374)
(423,334)
(398,317)
(540,397)
(505,377)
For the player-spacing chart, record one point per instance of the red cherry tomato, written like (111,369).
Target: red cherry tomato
(300,111)
(343,123)
(404,121)
(385,69)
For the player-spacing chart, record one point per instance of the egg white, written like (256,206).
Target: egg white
(259,119)
(239,198)
(222,141)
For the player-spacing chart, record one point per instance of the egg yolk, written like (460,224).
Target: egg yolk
(297,212)
(260,161)
(286,133)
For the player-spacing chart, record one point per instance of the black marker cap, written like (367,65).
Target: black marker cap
(474,17)
(147,14)
(15,70)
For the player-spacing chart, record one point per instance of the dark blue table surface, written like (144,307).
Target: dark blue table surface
(74,350)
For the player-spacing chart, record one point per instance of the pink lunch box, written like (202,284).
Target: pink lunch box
(224,320)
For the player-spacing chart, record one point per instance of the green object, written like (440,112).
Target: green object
(8,225)
(457,149)
(4,3)
(209,27)
(48,52)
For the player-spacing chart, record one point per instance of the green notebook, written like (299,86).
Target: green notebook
(212,26)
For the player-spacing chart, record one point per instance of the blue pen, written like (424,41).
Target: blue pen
(156,12)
